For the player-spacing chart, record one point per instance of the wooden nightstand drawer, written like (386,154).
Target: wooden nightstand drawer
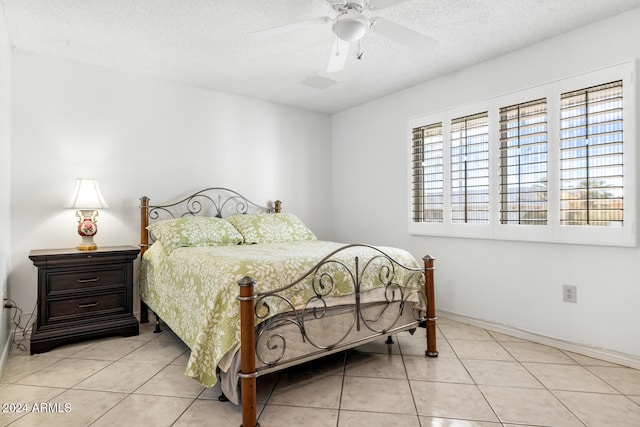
(73,308)
(75,280)
(83,295)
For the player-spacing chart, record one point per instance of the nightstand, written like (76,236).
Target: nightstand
(83,295)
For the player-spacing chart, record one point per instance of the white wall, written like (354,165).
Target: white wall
(5,178)
(505,283)
(141,136)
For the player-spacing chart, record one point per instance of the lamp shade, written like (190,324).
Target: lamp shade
(86,195)
(351,26)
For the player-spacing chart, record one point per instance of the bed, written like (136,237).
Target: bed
(251,290)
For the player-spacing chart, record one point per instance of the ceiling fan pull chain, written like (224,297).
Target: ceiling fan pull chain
(337,41)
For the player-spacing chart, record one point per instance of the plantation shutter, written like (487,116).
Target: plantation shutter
(591,155)
(428,174)
(523,163)
(470,169)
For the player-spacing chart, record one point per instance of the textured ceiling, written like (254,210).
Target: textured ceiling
(208,43)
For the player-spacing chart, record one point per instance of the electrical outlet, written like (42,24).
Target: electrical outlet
(569,293)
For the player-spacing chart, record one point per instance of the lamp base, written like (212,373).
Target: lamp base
(87,244)
(87,247)
(87,228)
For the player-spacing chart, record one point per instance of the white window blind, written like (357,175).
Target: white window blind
(550,163)
(470,169)
(428,174)
(523,163)
(591,156)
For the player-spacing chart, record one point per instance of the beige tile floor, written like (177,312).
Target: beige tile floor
(480,379)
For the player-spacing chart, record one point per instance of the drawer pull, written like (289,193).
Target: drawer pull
(95,279)
(91,304)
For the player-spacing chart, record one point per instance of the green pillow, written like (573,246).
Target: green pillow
(270,227)
(194,231)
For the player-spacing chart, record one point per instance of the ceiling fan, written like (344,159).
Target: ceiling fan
(352,23)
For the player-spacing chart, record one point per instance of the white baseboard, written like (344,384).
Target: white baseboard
(612,356)
(5,354)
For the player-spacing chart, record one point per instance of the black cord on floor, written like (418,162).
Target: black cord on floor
(17,316)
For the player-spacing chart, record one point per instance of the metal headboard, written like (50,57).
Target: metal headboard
(214,201)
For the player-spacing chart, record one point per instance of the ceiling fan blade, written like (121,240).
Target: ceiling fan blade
(381,4)
(401,34)
(287,28)
(338,57)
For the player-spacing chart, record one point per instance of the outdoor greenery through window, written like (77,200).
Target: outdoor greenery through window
(553,163)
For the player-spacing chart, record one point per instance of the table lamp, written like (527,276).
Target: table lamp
(87,199)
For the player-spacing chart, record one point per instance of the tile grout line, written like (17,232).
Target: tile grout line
(344,371)
(475,383)
(544,387)
(404,365)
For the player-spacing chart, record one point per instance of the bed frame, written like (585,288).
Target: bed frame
(220,202)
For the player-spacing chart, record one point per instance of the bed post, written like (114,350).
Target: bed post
(144,244)
(277,206)
(431,306)
(247,352)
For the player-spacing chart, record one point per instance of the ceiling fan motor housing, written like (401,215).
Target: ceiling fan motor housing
(341,6)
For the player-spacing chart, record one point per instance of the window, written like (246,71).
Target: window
(523,163)
(552,163)
(428,173)
(470,169)
(591,156)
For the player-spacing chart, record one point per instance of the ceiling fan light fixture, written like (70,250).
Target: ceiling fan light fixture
(351,26)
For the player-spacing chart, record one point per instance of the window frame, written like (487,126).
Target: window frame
(552,232)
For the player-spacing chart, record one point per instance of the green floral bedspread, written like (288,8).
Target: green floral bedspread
(194,289)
